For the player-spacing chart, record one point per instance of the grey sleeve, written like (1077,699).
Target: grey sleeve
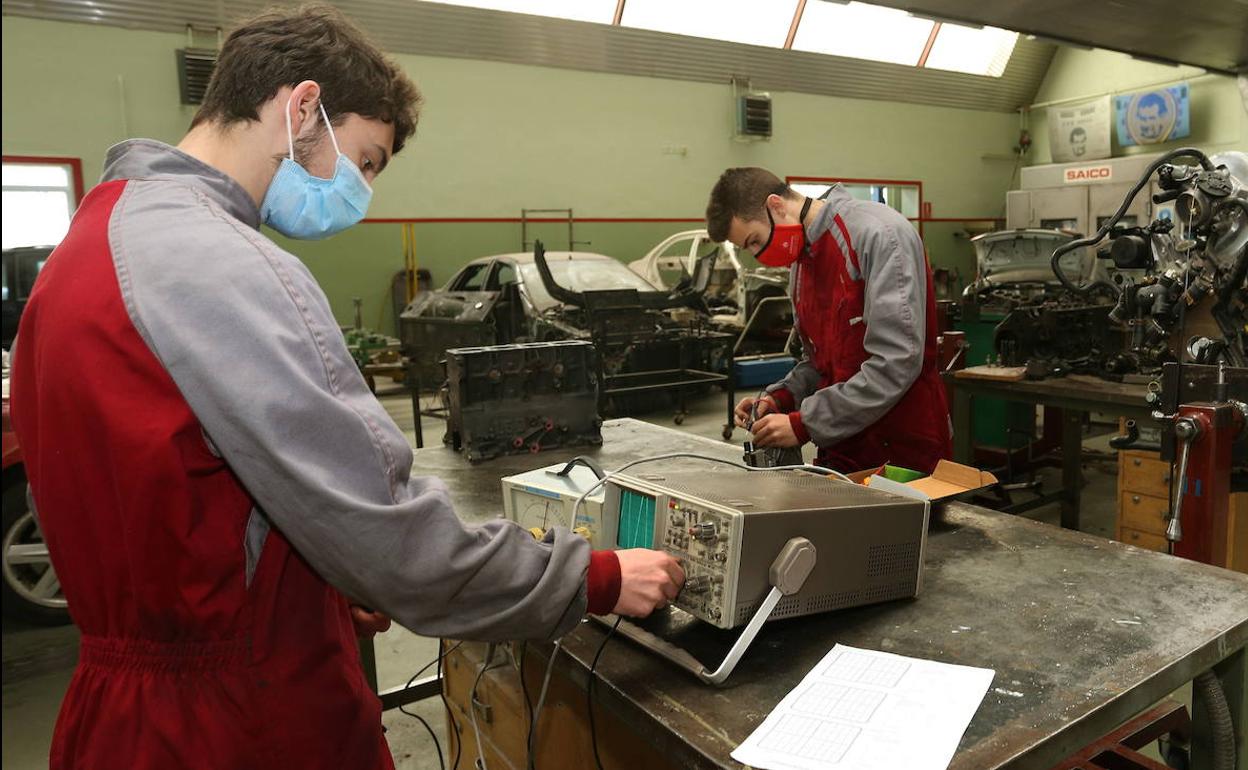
(802,379)
(895,313)
(249,338)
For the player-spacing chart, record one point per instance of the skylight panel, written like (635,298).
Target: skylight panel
(983,51)
(739,21)
(600,11)
(862,31)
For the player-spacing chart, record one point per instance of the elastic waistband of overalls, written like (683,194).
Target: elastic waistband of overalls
(149,655)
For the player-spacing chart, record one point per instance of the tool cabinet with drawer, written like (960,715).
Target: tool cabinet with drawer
(1144,489)
(1143,492)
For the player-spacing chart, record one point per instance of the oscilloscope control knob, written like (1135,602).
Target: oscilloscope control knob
(704,531)
(697,583)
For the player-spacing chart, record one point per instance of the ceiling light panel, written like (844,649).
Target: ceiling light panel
(983,51)
(862,31)
(601,11)
(738,21)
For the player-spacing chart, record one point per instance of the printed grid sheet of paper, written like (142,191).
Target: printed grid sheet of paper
(867,710)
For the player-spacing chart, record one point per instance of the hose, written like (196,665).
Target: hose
(1122,210)
(1221,728)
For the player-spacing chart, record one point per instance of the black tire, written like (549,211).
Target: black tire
(19,528)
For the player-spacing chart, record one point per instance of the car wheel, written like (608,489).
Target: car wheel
(31,591)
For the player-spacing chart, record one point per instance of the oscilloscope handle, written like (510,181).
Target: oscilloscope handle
(788,573)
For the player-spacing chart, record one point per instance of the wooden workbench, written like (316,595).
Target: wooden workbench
(1075,396)
(1083,633)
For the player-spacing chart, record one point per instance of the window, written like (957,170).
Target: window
(601,11)
(983,51)
(39,197)
(737,21)
(836,27)
(504,274)
(862,31)
(471,278)
(905,197)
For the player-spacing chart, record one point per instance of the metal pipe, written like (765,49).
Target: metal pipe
(1085,97)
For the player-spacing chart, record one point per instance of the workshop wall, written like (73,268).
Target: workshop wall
(1218,115)
(498,137)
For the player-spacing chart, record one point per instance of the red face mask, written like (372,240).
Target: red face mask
(785,243)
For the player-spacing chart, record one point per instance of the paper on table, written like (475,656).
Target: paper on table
(868,710)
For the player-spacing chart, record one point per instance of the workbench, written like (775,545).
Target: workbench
(1083,633)
(1075,396)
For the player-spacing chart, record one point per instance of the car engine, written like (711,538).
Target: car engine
(1192,266)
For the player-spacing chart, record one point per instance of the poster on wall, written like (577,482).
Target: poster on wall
(1153,117)
(1080,131)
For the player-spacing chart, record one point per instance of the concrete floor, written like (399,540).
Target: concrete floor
(38,661)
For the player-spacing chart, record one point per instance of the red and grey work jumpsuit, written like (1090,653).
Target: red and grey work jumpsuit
(213,478)
(868,390)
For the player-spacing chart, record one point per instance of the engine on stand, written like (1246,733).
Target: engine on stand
(1186,313)
(1191,267)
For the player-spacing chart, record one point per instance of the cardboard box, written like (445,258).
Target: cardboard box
(949,479)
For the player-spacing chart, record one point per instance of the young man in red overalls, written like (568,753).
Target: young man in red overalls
(216,484)
(867,390)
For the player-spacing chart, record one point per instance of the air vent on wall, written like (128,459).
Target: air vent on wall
(195,67)
(754,115)
(753,112)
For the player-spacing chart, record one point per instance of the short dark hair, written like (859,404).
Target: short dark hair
(741,193)
(285,47)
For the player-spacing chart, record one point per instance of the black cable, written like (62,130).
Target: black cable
(450,716)
(588,462)
(1065,248)
(437,745)
(435,661)
(472,702)
(589,691)
(524,686)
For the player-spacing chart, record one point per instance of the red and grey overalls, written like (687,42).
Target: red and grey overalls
(213,478)
(868,390)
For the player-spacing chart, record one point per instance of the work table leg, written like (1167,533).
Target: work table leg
(963,427)
(1072,466)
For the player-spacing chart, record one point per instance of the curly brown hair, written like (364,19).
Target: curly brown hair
(284,47)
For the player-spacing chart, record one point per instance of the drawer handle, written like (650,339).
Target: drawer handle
(1137,462)
(1135,535)
(1135,498)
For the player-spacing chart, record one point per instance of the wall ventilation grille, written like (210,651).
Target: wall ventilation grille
(195,66)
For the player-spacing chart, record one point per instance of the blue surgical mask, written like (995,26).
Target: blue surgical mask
(299,205)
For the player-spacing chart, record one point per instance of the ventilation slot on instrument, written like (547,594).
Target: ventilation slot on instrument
(892,559)
(808,605)
(786,607)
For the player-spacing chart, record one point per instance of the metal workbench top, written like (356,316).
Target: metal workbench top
(1083,633)
(1074,390)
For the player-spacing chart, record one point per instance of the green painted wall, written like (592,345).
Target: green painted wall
(498,137)
(1219,118)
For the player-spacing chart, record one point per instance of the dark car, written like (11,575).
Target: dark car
(21,267)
